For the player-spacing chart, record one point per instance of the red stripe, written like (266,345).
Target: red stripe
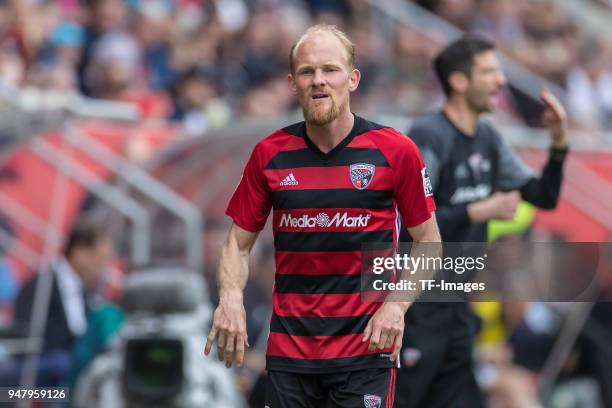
(322,305)
(318,263)
(295,143)
(391,391)
(363,141)
(309,178)
(318,347)
(388,398)
(356,218)
(394,375)
(324,263)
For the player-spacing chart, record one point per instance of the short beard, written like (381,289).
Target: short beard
(320,117)
(478,106)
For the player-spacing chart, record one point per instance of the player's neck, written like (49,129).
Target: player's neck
(328,136)
(462,116)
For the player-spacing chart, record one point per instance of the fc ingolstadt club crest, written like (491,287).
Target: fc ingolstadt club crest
(371,401)
(362,174)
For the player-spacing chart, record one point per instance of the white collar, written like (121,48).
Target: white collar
(67,274)
(71,293)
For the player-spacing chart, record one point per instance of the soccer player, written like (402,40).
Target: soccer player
(335,181)
(475,177)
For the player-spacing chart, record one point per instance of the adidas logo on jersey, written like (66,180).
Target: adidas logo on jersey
(289,181)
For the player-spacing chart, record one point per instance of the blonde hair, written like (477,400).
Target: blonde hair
(348,45)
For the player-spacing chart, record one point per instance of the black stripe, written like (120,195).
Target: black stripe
(319,326)
(307,284)
(332,198)
(329,241)
(293,159)
(327,284)
(298,365)
(360,126)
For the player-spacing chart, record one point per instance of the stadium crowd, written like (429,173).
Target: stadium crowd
(204,63)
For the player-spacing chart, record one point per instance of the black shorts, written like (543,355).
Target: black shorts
(370,388)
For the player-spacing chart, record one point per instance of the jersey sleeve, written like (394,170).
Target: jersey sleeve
(513,173)
(412,191)
(250,204)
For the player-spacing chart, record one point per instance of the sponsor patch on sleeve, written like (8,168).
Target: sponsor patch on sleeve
(426,182)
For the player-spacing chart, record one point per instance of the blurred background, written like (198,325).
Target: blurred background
(125,126)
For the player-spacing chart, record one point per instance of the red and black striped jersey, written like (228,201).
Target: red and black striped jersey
(325,206)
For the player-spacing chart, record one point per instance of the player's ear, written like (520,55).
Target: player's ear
(354,78)
(292,85)
(458,81)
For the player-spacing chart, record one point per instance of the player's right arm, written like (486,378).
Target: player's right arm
(499,206)
(249,207)
(229,319)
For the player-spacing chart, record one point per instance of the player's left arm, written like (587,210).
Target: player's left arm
(386,328)
(427,231)
(413,195)
(542,191)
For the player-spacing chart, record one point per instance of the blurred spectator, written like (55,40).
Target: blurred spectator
(197,103)
(458,12)
(66,43)
(537,35)
(56,76)
(499,20)
(6,17)
(543,48)
(141,50)
(8,284)
(262,59)
(104,16)
(34,22)
(114,66)
(103,324)
(333,9)
(101,16)
(154,27)
(74,278)
(55,68)
(115,72)
(589,87)
(411,71)
(12,67)
(267,99)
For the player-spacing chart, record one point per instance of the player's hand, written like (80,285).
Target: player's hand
(554,118)
(229,324)
(504,205)
(386,328)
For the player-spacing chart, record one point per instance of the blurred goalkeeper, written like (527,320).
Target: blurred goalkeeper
(335,181)
(476,177)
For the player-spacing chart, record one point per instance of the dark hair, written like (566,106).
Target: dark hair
(85,233)
(459,57)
